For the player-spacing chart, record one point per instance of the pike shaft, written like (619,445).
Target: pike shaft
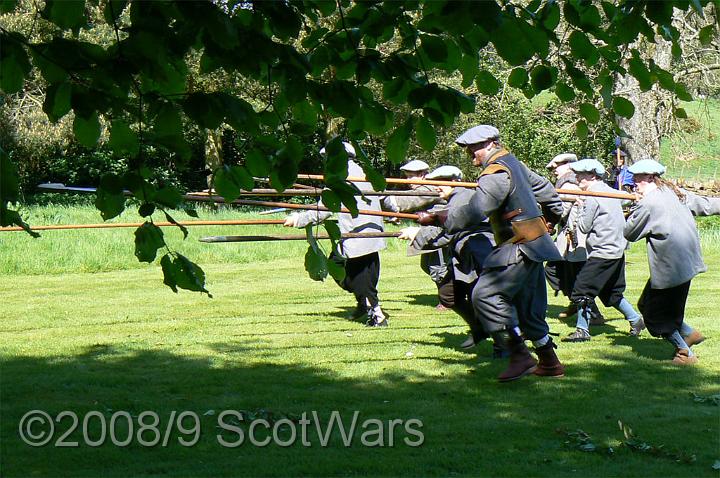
(307,207)
(296,237)
(246,222)
(458,184)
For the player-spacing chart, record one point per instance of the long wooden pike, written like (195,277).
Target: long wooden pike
(111,225)
(305,207)
(296,237)
(457,184)
(318,192)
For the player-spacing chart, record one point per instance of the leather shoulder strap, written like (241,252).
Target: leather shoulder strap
(494,168)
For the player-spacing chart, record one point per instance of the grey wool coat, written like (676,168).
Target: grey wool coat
(351,248)
(673,244)
(602,219)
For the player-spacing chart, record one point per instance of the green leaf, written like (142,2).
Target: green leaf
(550,16)
(589,112)
(581,129)
(148,239)
(305,113)
(706,35)
(110,199)
(8,217)
(487,84)
(87,130)
(168,272)
(14,66)
(682,93)
(168,121)
(183,273)
(333,230)
(7,6)
(638,69)
(240,115)
(67,14)
(315,260)
(375,177)
(336,270)
(623,107)
(205,109)
(316,264)
(113,9)
(229,180)
(425,134)
(9,184)
(172,220)
(510,42)
(564,92)
(168,196)
(123,140)
(331,200)
(398,143)
(469,67)
(146,209)
(518,77)
(541,78)
(434,47)
(57,101)
(680,113)
(582,48)
(257,163)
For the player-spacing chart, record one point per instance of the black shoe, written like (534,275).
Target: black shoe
(360,311)
(375,322)
(377,318)
(579,335)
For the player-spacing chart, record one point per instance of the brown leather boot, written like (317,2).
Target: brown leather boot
(683,357)
(549,365)
(521,363)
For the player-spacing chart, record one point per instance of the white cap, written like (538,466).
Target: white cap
(561,159)
(451,173)
(647,166)
(478,134)
(415,166)
(588,165)
(348,149)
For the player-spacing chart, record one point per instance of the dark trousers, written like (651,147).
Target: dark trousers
(561,275)
(361,277)
(663,309)
(446,290)
(512,295)
(603,278)
(464,308)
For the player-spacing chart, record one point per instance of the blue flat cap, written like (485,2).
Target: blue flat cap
(450,173)
(478,134)
(647,166)
(614,153)
(415,166)
(588,165)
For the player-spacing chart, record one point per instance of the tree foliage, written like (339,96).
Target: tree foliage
(343,61)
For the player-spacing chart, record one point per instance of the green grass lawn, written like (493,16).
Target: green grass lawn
(693,152)
(274,343)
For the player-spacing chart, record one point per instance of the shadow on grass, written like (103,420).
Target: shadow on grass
(469,420)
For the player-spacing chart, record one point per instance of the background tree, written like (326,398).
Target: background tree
(338,62)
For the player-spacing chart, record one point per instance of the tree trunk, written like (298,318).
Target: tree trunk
(213,151)
(650,121)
